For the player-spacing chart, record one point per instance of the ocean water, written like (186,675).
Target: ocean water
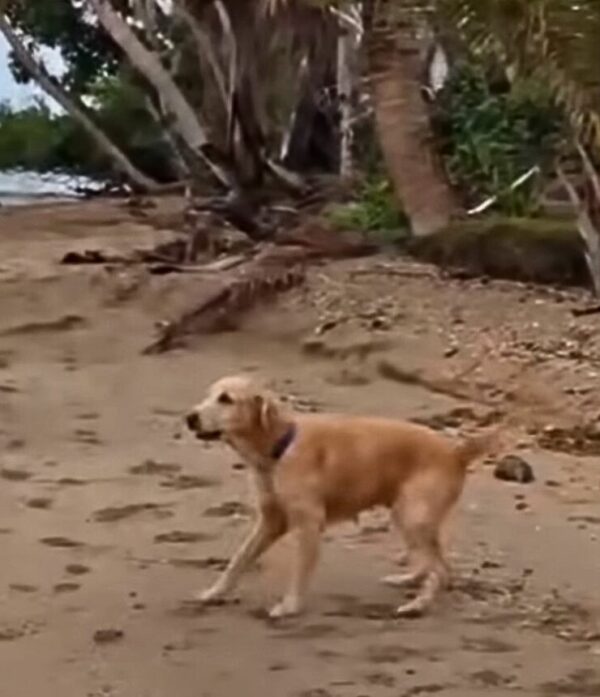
(18,188)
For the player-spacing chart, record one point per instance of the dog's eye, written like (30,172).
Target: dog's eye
(224,398)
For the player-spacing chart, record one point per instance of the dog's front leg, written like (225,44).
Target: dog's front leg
(307,542)
(264,534)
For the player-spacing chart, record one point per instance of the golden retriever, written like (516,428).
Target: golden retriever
(312,470)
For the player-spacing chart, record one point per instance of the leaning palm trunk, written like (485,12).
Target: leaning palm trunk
(402,118)
(76,110)
(148,63)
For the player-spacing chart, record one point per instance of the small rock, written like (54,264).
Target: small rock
(513,468)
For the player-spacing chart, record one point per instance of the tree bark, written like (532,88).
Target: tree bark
(149,65)
(402,119)
(204,49)
(313,142)
(346,50)
(76,110)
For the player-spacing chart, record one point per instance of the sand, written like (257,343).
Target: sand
(111,516)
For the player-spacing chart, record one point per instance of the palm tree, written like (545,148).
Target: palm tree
(554,41)
(395,72)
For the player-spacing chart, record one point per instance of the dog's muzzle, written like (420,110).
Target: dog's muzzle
(194,423)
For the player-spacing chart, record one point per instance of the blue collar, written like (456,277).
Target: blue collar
(281,445)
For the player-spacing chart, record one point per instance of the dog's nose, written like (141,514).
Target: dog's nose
(192,420)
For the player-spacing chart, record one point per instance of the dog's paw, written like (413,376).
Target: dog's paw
(401,580)
(214,594)
(288,607)
(413,609)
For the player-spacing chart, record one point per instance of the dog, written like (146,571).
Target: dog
(313,470)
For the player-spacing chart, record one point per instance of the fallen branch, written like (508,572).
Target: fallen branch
(584,311)
(261,279)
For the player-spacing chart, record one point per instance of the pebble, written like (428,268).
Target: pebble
(513,468)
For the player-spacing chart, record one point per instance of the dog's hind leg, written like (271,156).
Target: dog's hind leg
(421,526)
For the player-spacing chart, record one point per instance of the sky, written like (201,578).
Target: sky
(21,95)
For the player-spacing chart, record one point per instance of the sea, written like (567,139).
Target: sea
(20,188)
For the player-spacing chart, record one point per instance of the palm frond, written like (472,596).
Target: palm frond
(553,40)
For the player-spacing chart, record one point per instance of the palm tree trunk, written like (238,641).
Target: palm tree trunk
(76,110)
(149,65)
(402,119)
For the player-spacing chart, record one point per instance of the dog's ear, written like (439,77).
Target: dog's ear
(267,412)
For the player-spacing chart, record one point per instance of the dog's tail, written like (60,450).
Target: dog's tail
(477,447)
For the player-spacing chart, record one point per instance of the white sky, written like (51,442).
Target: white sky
(21,95)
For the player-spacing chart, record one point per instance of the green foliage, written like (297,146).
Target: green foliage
(374,210)
(491,134)
(39,140)
(86,50)
(32,139)
(120,110)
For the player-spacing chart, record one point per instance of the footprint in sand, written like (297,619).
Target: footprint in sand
(181,537)
(190,609)
(11,633)
(71,481)
(14,475)
(184,482)
(216,563)
(23,588)
(66,587)
(381,679)
(41,503)
(151,467)
(108,636)
(5,358)
(87,436)
(113,514)
(88,416)
(61,542)
(227,509)
(15,444)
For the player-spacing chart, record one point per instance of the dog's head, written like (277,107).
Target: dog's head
(235,407)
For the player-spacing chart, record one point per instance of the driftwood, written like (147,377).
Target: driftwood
(261,279)
(275,269)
